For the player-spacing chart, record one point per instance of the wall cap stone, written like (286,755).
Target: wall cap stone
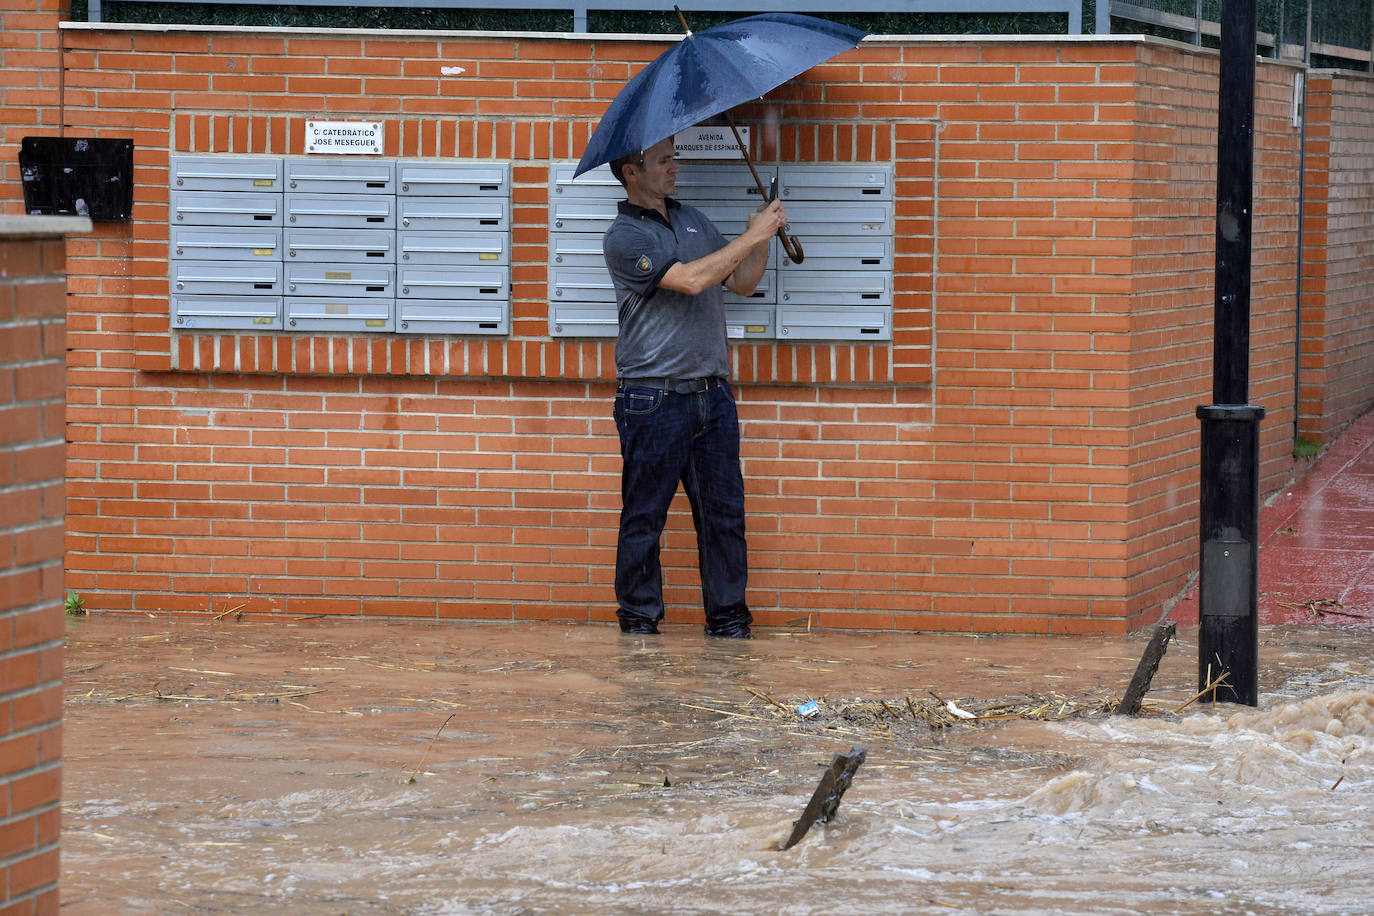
(35,227)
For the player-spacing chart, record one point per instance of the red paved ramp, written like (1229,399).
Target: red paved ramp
(1316,555)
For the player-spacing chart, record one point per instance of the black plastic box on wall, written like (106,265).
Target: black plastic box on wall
(78,176)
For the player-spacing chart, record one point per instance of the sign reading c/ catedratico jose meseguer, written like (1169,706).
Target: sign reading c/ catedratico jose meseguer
(358,137)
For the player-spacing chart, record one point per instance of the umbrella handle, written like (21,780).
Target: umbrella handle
(790,244)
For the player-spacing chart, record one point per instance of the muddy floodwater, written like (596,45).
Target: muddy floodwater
(345,767)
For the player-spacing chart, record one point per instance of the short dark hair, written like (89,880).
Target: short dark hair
(618,165)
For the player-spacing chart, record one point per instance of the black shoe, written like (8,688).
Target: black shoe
(638,625)
(739,631)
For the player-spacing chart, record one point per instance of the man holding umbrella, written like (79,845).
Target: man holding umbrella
(674,407)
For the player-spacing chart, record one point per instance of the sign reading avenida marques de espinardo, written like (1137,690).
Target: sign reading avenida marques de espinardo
(367,137)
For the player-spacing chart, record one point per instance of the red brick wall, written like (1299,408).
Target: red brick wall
(1338,247)
(32,306)
(30,84)
(1021,457)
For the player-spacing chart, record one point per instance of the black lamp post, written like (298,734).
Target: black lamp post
(1228,638)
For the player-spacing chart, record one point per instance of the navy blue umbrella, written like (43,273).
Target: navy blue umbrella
(710,72)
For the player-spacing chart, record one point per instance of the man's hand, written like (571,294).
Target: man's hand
(765,222)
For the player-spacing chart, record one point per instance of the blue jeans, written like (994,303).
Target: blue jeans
(693,438)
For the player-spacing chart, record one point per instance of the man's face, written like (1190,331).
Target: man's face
(658,178)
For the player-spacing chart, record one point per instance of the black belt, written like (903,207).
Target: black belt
(676,385)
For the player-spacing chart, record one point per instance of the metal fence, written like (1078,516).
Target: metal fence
(1337,33)
(1328,32)
(1072,9)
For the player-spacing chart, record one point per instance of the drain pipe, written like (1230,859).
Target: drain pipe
(1302,206)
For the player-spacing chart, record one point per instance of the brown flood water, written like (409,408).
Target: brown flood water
(247,767)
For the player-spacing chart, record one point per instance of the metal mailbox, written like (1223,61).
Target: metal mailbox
(226,173)
(834,183)
(817,219)
(351,246)
(449,316)
(582,214)
(454,214)
(227,278)
(323,313)
(340,176)
(216,208)
(340,280)
(260,313)
(765,292)
(340,211)
(473,283)
(862,253)
(834,323)
(437,178)
(582,284)
(834,287)
(197,243)
(582,319)
(597,184)
(416,246)
(743,322)
(576,249)
(722,184)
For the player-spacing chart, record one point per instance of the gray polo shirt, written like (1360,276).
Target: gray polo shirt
(664,333)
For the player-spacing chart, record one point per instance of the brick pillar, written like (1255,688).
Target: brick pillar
(33,316)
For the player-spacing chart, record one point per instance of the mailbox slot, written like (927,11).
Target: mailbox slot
(339,176)
(259,313)
(226,173)
(582,319)
(722,184)
(341,246)
(232,278)
(825,253)
(834,323)
(834,184)
(451,316)
(576,249)
(454,214)
(193,243)
(596,184)
(340,279)
(765,293)
(209,208)
(425,178)
(453,248)
(834,287)
(582,214)
(340,211)
(813,219)
(475,283)
(743,322)
(324,313)
(582,284)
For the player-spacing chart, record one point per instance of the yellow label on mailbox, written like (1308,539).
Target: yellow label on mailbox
(338,275)
(262,320)
(335,308)
(755,328)
(375,322)
(264,182)
(486,256)
(264,252)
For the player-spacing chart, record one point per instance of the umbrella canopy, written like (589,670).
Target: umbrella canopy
(709,72)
